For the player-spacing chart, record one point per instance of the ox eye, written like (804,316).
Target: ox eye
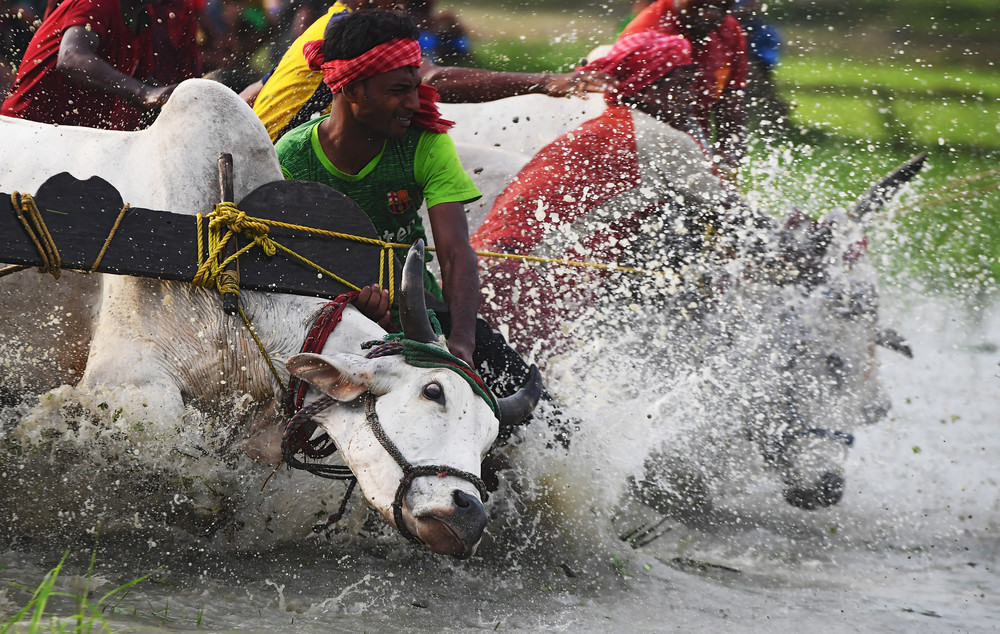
(433,392)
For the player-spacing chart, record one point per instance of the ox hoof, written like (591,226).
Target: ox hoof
(827,492)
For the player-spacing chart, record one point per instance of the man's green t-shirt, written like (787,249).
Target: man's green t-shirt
(418,166)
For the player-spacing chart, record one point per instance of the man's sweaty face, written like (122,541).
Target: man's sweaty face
(390,101)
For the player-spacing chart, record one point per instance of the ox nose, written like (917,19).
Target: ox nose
(454,527)
(469,517)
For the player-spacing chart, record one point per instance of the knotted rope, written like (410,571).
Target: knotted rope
(27,212)
(226,220)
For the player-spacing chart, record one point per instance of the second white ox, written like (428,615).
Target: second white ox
(797,315)
(162,346)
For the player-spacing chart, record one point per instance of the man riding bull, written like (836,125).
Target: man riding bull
(719,54)
(385,146)
(595,193)
(291,94)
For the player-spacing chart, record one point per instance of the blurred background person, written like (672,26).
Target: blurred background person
(444,39)
(170,54)
(764,48)
(16,20)
(719,50)
(292,94)
(80,65)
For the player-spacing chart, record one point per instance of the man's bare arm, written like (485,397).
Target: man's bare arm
(474,85)
(79,60)
(250,93)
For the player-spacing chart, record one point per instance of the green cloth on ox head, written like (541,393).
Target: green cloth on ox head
(429,355)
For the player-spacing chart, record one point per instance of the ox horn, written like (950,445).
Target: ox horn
(514,409)
(882,191)
(412,305)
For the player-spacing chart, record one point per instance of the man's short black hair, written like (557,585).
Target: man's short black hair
(358,32)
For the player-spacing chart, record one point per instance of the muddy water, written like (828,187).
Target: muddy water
(911,548)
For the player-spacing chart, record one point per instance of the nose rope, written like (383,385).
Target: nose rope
(296,439)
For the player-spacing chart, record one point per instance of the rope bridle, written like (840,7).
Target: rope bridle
(297,437)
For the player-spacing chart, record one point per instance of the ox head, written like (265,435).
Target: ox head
(820,340)
(415,437)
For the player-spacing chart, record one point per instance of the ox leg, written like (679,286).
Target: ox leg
(126,361)
(46,331)
(668,486)
(263,441)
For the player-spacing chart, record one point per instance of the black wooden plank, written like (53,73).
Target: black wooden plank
(163,245)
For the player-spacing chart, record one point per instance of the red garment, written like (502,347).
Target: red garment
(387,56)
(171,43)
(170,55)
(721,60)
(42,93)
(582,170)
(640,60)
(623,190)
(564,181)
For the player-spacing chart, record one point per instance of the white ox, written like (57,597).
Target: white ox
(159,346)
(799,318)
(495,139)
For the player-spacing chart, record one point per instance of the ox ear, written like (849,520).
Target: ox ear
(340,376)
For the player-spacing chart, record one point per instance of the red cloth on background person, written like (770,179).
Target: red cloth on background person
(170,55)
(383,58)
(639,61)
(721,59)
(42,93)
(598,157)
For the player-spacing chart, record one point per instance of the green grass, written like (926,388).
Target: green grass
(957,18)
(88,617)
(927,104)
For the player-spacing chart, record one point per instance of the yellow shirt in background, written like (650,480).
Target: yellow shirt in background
(293,94)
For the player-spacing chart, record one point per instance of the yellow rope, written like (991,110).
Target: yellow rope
(263,351)
(926,201)
(592,265)
(927,204)
(107,241)
(13,268)
(227,220)
(27,212)
(388,246)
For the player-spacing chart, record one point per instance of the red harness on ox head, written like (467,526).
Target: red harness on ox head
(298,435)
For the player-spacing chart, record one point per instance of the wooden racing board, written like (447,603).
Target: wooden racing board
(80,215)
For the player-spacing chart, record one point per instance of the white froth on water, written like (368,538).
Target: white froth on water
(912,546)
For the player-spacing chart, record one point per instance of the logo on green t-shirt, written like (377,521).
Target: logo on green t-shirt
(399,201)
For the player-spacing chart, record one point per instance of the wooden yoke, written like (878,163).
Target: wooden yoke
(80,215)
